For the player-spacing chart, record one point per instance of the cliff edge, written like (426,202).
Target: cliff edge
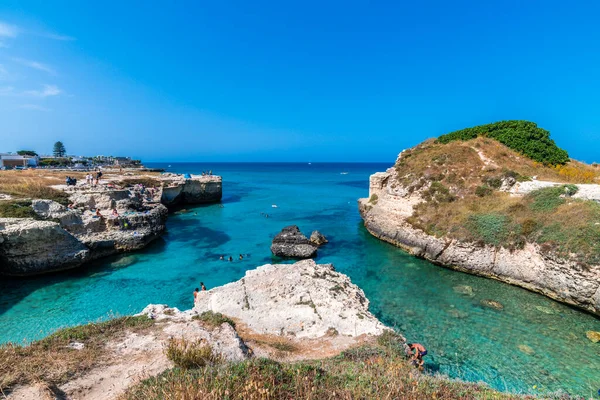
(479,206)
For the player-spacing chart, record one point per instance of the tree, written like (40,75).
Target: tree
(59,149)
(27,153)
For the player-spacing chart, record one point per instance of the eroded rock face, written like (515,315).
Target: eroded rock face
(318,238)
(196,190)
(560,279)
(302,300)
(290,242)
(30,247)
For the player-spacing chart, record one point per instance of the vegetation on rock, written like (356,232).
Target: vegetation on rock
(461,184)
(17,209)
(522,136)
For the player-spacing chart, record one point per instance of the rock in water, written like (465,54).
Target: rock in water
(290,242)
(465,290)
(318,238)
(526,349)
(496,305)
(593,336)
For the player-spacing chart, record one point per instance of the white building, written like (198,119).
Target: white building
(9,160)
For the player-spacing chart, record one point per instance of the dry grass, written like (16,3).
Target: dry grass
(369,372)
(50,360)
(186,354)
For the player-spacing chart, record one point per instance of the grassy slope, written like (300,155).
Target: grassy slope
(50,360)
(369,372)
(464,203)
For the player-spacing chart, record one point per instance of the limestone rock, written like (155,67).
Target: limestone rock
(561,279)
(593,336)
(318,238)
(290,242)
(49,209)
(195,190)
(302,300)
(30,247)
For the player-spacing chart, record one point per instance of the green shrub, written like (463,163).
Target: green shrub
(490,228)
(483,191)
(215,319)
(493,182)
(522,136)
(373,199)
(571,190)
(186,354)
(439,193)
(17,209)
(547,199)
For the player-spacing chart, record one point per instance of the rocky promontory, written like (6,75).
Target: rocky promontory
(178,189)
(475,206)
(99,222)
(301,300)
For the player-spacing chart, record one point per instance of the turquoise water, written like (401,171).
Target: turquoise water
(465,339)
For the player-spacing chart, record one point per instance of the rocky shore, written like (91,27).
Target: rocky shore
(390,204)
(60,238)
(291,312)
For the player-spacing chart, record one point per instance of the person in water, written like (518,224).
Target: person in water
(241,257)
(202,286)
(196,294)
(418,352)
(222,258)
(230,258)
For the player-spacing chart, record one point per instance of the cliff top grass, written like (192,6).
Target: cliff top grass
(51,361)
(460,182)
(378,371)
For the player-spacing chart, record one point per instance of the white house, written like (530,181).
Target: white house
(9,160)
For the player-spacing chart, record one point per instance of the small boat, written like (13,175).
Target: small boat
(169,166)
(309,163)
(343,173)
(274,205)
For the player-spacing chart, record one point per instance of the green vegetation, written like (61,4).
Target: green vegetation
(373,199)
(368,372)
(59,149)
(52,362)
(27,153)
(214,319)
(522,136)
(142,180)
(185,354)
(16,209)
(31,189)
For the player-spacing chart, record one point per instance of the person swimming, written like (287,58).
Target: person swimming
(241,257)
(222,258)
(230,258)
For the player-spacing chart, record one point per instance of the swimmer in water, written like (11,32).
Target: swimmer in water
(241,257)
(230,258)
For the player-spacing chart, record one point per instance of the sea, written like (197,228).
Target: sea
(533,345)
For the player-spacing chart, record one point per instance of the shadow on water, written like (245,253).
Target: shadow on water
(15,289)
(189,230)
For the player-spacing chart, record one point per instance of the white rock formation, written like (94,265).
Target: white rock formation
(195,190)
(302,300)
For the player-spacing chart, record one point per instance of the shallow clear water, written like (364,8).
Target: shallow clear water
(533,341)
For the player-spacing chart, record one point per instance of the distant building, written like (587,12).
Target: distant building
(9,160)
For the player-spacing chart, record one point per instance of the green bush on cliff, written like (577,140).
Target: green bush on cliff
(522,136)
(17,209)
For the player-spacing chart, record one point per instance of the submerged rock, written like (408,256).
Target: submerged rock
(545,310)
(290,242)
(465,290)
(526,349)
(593,336)
(318,238)
(496,305)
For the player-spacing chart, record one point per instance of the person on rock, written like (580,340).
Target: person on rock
(202,286)
(196,294)
(418,352)
(115,213)
(98,213)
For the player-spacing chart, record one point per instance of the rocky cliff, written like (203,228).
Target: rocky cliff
(395,195)
(194,190)
(63,238)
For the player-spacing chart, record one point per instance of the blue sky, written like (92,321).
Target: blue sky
(292,81)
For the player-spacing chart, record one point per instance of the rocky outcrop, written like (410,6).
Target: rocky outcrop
(385,215)
(301,300)
(318,238)
(29,247)
(290,242)
(67,238)
(178,190)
